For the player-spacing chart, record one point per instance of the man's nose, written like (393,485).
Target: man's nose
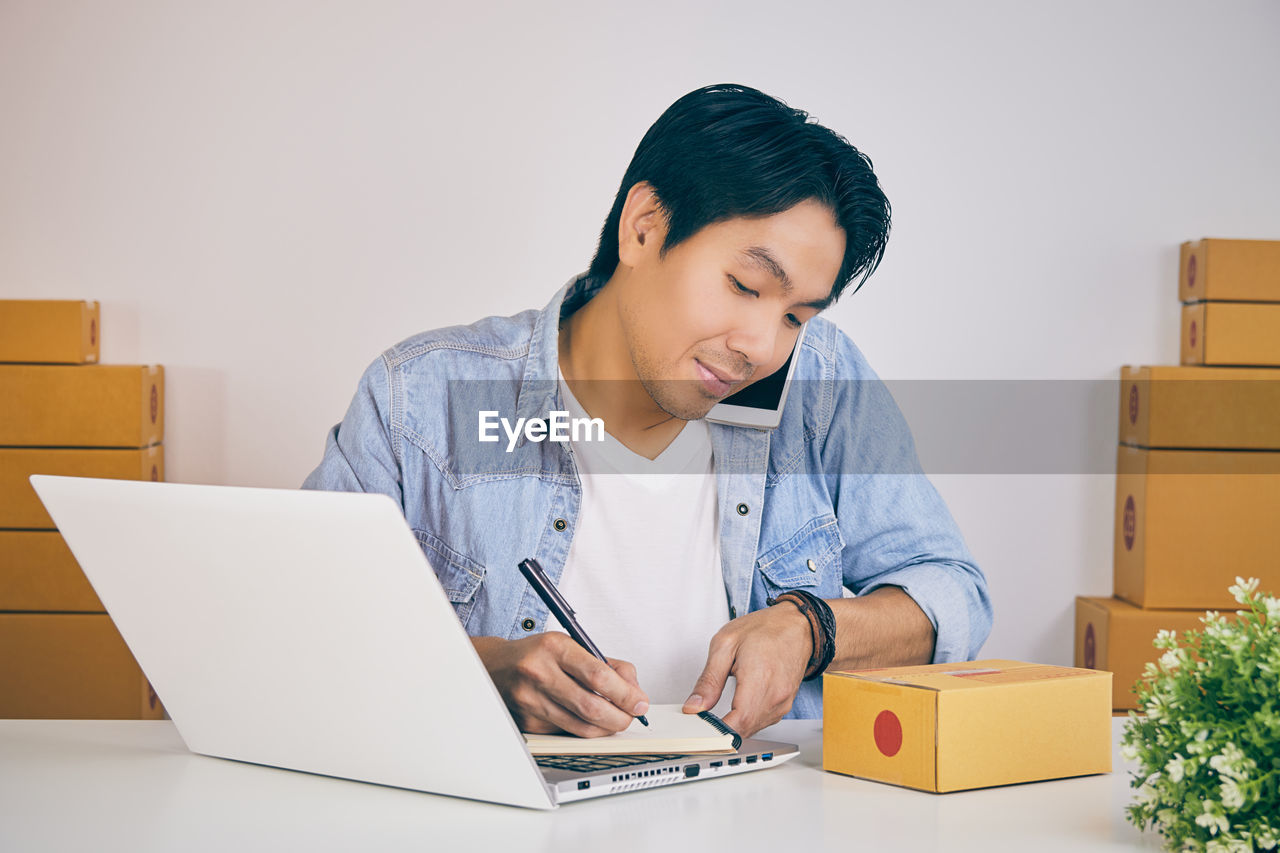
(754,339)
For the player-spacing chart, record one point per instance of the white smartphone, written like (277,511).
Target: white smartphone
(760,403)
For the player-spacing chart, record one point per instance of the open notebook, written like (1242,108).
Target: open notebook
(669,730)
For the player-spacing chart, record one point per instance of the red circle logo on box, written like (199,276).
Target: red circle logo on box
(1090,647)
(155,474)
(1193,334)
(155,403)
(1130,523)
(888,733)
(1133,404)
(1191,272)
(93,333)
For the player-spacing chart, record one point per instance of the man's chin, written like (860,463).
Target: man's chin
(685,406)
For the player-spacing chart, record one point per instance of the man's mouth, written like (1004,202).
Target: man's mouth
(717,382)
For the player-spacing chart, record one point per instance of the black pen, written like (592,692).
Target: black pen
(560,609)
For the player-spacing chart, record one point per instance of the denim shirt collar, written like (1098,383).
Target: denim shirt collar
(539,386)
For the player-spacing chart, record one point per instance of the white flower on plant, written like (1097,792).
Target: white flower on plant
(1242,588)
(1165,639)
(1129,752)
(1213,819)
(1266,838)
(1218,629)
(1271,605)
(1232,763)
(1170,659)
(1174,768)
(1232,796)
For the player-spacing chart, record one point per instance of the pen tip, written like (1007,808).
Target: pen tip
(642,720)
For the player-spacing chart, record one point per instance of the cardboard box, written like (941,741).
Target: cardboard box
(1231,333)
(38,572)
(70,666)
(1247,270)
(1220,408)
(1115,636)
(20,506)
(955,726)
(95,406)
(54,331)
(1187,522)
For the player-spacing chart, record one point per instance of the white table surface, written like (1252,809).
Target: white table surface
(108,785)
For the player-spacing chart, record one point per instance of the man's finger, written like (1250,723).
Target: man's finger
(620,696)
(745,714)
(567,721)
(710,684)
(626,669)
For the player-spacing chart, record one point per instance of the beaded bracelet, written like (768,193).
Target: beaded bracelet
(822,628)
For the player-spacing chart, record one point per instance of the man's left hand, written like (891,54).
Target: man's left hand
(767,652)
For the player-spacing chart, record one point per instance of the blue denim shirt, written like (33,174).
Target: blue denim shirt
(833,498)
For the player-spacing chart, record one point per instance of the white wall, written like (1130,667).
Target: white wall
(266,194)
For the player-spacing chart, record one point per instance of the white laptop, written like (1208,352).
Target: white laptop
(306,630)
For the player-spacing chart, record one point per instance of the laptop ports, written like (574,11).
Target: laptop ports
(691,770)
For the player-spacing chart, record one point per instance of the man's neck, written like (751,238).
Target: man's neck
(598,367)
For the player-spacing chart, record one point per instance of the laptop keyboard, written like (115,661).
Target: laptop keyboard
(592,763)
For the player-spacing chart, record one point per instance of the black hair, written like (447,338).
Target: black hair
(728,151)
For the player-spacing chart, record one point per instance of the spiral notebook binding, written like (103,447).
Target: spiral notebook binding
(722,727)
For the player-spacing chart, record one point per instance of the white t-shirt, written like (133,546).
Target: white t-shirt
(643,573)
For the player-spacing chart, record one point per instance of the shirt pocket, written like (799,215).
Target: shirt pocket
(459,575)
(809,559)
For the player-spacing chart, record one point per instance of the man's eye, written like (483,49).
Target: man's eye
(794,321)
(740,287)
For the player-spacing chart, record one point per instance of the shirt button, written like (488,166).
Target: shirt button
(560,524)
(733,612)
(813,567)
(528,624)
(743,509)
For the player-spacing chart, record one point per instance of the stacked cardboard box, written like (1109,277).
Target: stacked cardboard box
(1198,467)
(60,655)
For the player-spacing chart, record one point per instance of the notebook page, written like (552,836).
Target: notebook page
(669,730)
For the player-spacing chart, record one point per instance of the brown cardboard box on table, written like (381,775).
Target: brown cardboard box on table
(1231,333)
(20,507)
(1242,270)
(38,572)
(1220,408)
(70,666)
(955,726)
(52,331)
(1188,522)
(1115,636)
(81,406)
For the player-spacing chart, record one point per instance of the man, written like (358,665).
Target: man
(695,551)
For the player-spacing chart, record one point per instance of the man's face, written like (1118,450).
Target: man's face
(724,308)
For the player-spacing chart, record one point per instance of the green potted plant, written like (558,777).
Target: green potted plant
(1207,740)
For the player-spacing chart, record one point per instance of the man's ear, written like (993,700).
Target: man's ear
(643,225)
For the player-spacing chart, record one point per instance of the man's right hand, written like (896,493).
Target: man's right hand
(551,685)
